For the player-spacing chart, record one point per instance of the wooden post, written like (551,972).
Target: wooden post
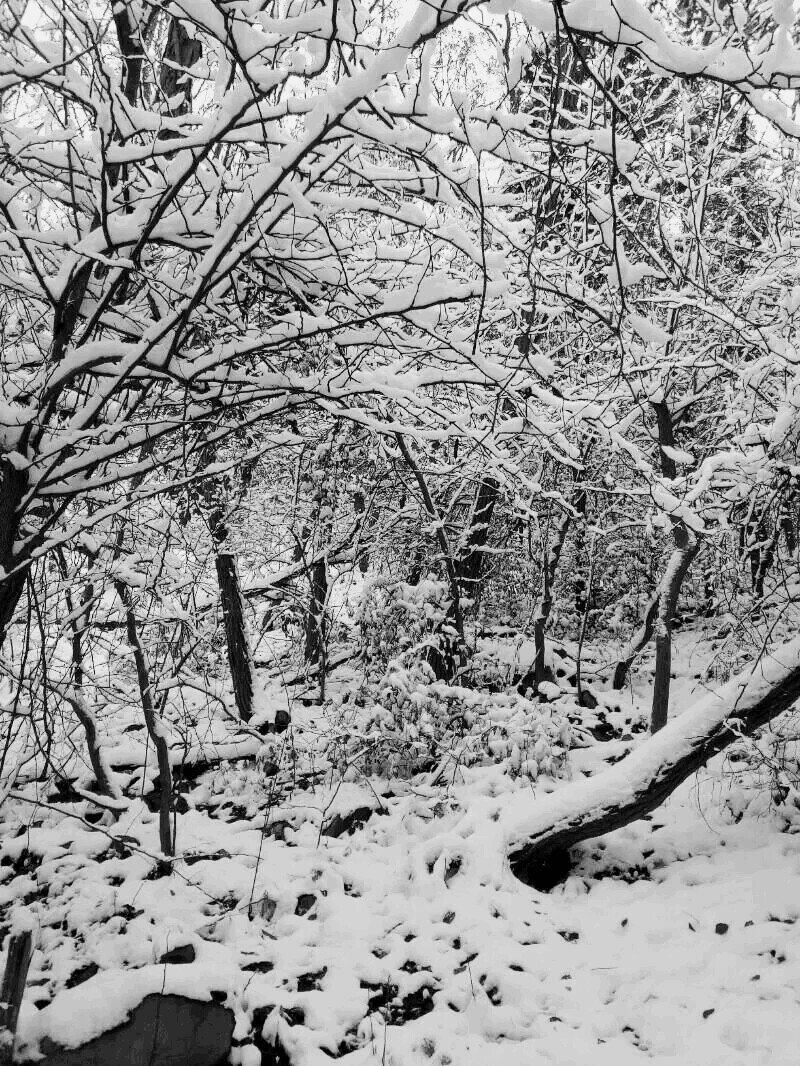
(20,949)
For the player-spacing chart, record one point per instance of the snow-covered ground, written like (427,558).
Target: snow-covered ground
(674,940)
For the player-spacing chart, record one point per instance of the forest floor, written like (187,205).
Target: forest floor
(409,940)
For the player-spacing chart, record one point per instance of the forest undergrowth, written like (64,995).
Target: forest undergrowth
(349,899)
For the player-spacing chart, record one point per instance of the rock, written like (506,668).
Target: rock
(721,928)
(183,954)
(161,1031)
(259,966)
(350,822)
(83,973)
(603,730)
(282,720)
(545,873)
(305,902)
(271,1054)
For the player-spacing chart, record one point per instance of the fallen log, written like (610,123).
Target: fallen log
(538,841)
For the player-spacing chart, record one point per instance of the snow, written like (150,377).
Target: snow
(648,330)
(674,939)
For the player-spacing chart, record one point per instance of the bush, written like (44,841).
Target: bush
(400,621)
(409,724)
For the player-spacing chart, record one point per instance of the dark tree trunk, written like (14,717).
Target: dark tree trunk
(236,636)
(359,506)
(100,769)
(417,562)
(237,640)
(445,659)
(640,639)
(181,53)
(545,605)
(765,557)
(13,484)
(315,633)
(709,592)
(579,582)
(20,949)
(649,775)
(155,727)
(470,564)
(666,438)
(686,548)
(661,606)
(79,623)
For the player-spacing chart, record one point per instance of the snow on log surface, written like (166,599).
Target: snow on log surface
(645,778)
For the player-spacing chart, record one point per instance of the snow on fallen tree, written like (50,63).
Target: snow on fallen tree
(538,841)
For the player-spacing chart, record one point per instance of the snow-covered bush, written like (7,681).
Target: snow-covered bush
(764,773)
(488,670)
(398,619)
(408,724)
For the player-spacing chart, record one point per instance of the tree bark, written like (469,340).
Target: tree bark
(649,775)
(315,616)
(443,660)
(359,507)
(237,638)
(640,639)
(79,622)
(579,588)
(662,605)
(686,548)
(13,484)
(20,949)
(155,727)
(181,53)
(470,563)
(545,604)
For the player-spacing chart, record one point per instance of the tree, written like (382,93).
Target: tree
(227,236)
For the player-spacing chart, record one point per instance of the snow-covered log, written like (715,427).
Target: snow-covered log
(539,839)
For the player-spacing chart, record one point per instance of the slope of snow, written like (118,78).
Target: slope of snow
(674,941)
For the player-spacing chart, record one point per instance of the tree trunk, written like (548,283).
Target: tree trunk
(545,604)
(443,660)
(181,53)
(79,622)
(155,727)
(103,774)
(315,617)
(359,507)
(237,639)
(13,484)
(470,563)
(686,548)
(20,949)
(640,639)
(661,606)
(579,581)
(540,841)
